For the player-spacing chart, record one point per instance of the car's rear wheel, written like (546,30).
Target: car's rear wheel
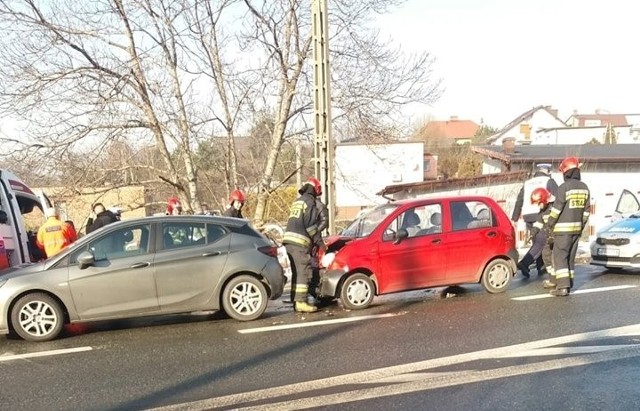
(357,292)
(497,276)
(37,317)
(245,298)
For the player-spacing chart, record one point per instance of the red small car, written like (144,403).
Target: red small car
(419,243)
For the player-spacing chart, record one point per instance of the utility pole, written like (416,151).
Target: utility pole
(323,147)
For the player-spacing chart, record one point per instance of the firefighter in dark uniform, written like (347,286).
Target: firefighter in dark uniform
(236,202)
(540,247)
(567,219)
(299,239)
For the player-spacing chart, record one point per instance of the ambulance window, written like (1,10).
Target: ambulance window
(628,203)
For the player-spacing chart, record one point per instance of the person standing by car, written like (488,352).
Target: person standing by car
(567,218)
(299,238)
(236,202)
(54,235)
(529,212)
(100,217)
(540,246)
(174,207)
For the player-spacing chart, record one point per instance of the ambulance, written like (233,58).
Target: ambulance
(17,245)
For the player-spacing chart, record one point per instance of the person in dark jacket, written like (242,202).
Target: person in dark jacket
(529,212)
(540,247)
(300,236)
(100,218)
(236,202)
(567,218)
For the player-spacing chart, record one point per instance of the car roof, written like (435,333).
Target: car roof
(411,201)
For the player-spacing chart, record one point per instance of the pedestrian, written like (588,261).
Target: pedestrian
(204,209)
(100,217)
(540,246)
(174,207)
(299,239)
(567,218)
(54,235)
(541,179)
(236,202)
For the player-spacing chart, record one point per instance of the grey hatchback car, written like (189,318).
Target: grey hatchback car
(142,267)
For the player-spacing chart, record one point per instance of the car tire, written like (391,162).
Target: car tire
(245,298)
(357,292)
(37,317)
(497,276)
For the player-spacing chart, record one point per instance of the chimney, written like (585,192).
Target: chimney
(597,111)
(509,145)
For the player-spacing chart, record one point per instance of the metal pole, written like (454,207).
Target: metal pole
(323,147)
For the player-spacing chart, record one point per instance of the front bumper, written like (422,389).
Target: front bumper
(329,282)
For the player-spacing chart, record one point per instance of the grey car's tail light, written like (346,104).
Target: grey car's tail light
(269,250)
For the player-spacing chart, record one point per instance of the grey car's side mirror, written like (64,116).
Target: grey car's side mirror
(86,259)
(401,235)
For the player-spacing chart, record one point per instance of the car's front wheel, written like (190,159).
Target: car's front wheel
(357,292)
(245,298)
(497,276)
(37,317)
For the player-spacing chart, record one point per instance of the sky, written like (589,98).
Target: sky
(500,58)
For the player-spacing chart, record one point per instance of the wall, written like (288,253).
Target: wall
(540,119)
(583,135)
(363,170)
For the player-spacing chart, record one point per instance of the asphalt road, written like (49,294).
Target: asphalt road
(456,348)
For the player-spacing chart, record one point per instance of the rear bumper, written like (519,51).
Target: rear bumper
(514,258)
(275,278)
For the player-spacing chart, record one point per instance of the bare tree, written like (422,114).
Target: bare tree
(82,77)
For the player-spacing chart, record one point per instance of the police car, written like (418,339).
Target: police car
(618,244)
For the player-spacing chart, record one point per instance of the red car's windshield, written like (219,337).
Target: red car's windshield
(368,221)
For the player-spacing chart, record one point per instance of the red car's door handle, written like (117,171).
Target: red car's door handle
(140,265)
(492,234)
(436,241)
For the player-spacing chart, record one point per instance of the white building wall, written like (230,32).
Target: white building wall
(583,135)
(361,171)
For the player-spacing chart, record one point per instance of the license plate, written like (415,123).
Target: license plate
(608,252)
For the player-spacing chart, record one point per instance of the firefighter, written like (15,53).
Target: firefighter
(299,239)
(540,247)
(174,207)
(567,218)
(529,212)
(54,235)
(236,202)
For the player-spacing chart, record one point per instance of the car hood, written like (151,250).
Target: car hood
(336,242)
(626,228)
(21,270)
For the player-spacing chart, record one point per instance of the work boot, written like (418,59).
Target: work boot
(303,307)
(560,292)
(548,284)
(524,270)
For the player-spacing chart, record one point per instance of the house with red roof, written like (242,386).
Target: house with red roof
(455,130)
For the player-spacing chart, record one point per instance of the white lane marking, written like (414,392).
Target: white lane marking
(314,323)
(12,357)
(420,384)
(584,291)
(541,352)
(365,377)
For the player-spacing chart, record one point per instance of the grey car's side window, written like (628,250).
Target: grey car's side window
(125,242)
(215,232)
(183,234)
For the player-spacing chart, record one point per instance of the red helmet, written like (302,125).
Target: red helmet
(569,163)
(540,196)
(237,195)
(317,187)
(173,203)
